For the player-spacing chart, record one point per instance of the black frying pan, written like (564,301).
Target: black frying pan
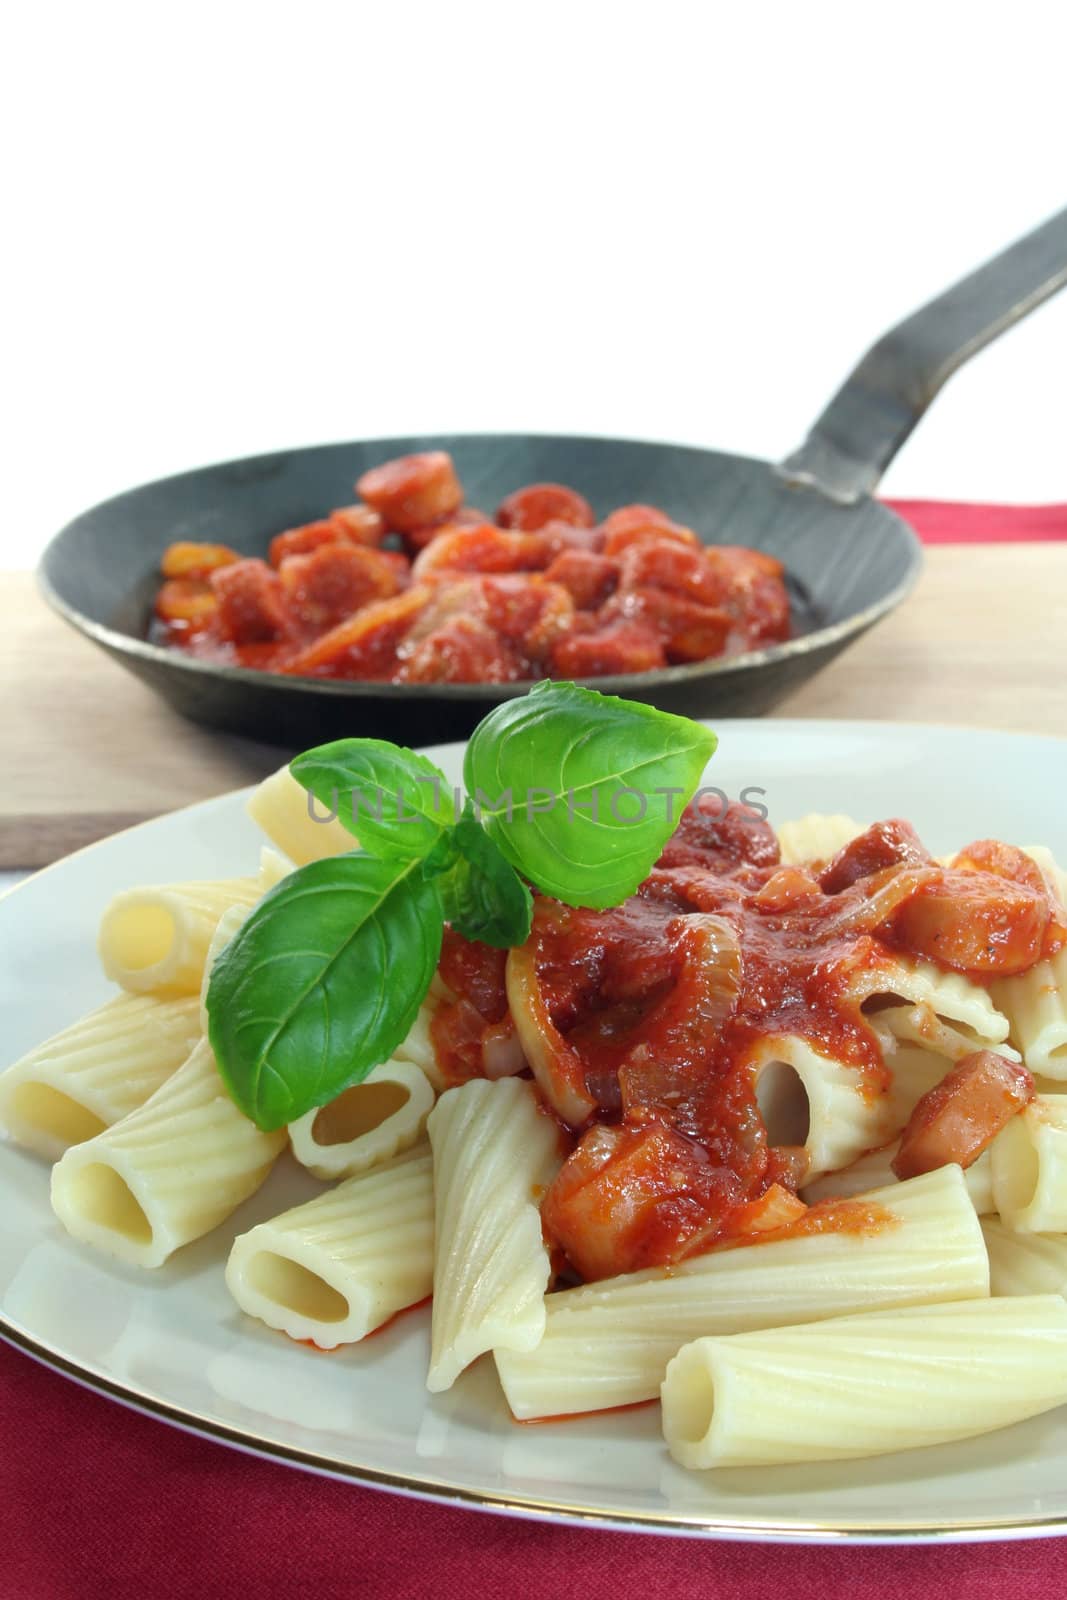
(850,560)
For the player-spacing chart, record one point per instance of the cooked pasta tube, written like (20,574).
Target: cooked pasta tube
(979,1180)
(418,1046)
(1030,1167)
(1025,1263)
(337,1267)
(1035,1004)
(155,940)
(919,1025)
(875,1170)
(494,1152)
(273,867)
(813,1100)
(366,1124)
(948,995)
(166,1174)
(228,925)
(608,1344)
(95,1072)
(300,827)
(815,839)
(865,1385)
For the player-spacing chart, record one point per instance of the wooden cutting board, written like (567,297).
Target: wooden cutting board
(87,749)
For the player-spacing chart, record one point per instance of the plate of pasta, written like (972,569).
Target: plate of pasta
(676,1146)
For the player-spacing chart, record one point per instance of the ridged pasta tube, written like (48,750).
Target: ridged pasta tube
(816,839)
(919,1025)
(155,940)
(273,867)
(280,806)
(366,1124)
(494,1152)
(875,1170)
(229,924)
(95,1072)
(1025,1263)
(813,1100)
(608,1344)
(337,1267)
(418,1046)
(865,1385)
(1035,1004)
(166,1174)
(948,995)
(1030,1167)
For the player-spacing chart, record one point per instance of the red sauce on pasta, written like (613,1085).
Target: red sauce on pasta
(646,1026)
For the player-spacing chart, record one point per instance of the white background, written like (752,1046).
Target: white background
(233,228)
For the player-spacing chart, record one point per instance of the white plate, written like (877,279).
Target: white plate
(173,1344)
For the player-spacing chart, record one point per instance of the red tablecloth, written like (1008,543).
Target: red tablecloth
(941,522)
(101,1504)
(97,1501)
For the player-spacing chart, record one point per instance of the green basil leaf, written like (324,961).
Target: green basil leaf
(581,790)
(483,896)
(322,982)
(395,801)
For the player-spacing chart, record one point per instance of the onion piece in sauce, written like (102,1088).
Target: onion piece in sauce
(556,1067)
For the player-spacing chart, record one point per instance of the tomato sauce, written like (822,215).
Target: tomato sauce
(647,1019)
(411,586)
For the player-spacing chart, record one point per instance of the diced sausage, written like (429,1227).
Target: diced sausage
(658,563)
(484,548)
(762,609)
(361,524)
(1007,861)
(412,490)
(529,509)
(252,608)
(464,650)
(884,844)
(328,585)
(961,1115)
(589,578)
(722,835)
(530,614)
(1003,861)
(599,1203)
(628,1197)
(634,524)
(688,630)
(619,647)
(975,923)
(303,540)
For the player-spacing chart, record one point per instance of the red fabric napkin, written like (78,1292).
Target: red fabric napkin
(102,1504)
(96,1501)
(941,522)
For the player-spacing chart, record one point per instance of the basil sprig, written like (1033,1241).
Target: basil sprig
(571,791)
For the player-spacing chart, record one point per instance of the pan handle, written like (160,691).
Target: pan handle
(871,416)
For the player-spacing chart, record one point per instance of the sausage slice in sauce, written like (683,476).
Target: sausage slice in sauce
(961,1115)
